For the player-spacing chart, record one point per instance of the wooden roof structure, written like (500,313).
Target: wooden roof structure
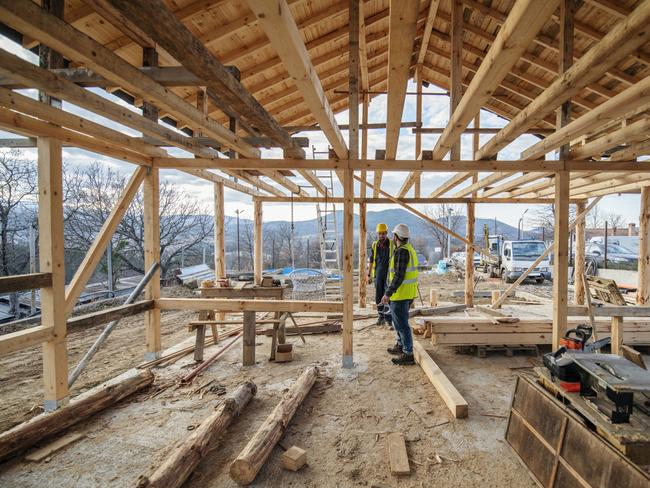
(199,41)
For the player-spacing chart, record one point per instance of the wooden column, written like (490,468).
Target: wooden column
(617,335)
(248,342)
(579,264)
(567,13)
(418,122)
(51,259)
(348,299)
(258,253)
(151,201)
(561,256)
(469,257)
(362,255)
(353,79)
(219,237)
(456,76)
(643,289)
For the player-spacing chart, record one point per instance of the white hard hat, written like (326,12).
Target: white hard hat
(402,231)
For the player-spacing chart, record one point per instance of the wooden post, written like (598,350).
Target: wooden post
(496,294)
(579,263)
(348,299)
(643,289)
(248,343)
(469,257)
(456,75)
(219,237)
(567,13)
(51,259)
(433,297)
(561,257)
(617,335)
(418,122)
(258,254)
(353,78)
(362,255)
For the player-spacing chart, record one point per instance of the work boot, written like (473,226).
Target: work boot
(396,349)
(380,321)
(404,359)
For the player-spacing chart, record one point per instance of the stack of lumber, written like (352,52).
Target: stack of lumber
(460,331)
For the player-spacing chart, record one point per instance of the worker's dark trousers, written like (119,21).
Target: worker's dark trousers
(383,311)
(400,311)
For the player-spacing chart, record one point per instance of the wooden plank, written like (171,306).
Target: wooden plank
(104,316)
(29,18)
(51,260)
(633,355)
(9,284)
(248,343)
(447,391)
(96,251)
(643,287)
(426,35)
(623,39)
(22,339)
(397,455)
(617,334)
(611,311)
(276,21)
(232,305)
(52,447)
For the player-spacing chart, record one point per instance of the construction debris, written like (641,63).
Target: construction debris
(294,458)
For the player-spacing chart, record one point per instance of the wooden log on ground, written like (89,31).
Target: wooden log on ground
(85,405)
(244,469)
(447,391)
(185,457)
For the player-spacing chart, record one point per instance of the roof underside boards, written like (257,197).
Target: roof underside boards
(230,32)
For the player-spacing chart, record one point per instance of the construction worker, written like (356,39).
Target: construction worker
(382,250)
(402,290)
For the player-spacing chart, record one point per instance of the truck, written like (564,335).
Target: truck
(508,259)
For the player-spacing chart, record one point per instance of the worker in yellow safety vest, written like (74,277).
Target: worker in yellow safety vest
(379,258)
(402,290)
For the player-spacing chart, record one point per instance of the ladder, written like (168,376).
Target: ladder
(329,240)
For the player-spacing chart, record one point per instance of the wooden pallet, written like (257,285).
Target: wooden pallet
(482,351)
(558,449)
(605,290)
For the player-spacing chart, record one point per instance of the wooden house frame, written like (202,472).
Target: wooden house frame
(236,76)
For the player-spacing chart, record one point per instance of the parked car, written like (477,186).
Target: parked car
(458,259)
(616,254)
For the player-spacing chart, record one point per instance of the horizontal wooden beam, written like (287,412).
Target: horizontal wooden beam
(441,166)
(423,200)
(108,315)
(609,311)
(15,341)
(222,305)
(10,284)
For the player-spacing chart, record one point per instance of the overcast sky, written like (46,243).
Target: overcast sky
(435,114)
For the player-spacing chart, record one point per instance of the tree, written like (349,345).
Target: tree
(543,217)
(451,216)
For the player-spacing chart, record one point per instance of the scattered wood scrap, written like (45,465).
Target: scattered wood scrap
(294,458)
(178,466)
(49,449)
(399,460)
(244,469)
(447,391)
(85,405)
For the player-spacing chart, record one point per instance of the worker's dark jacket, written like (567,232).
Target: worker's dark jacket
(381,260)
(401,261)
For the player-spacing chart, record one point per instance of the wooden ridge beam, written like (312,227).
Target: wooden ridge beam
(524,21)
(98,247)
(29,18)
(624,38)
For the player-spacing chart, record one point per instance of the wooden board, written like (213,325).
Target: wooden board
(558,450)
(399,460)
(447,391)
(49,449)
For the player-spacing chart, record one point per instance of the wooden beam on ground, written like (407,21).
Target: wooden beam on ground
(222,305)
(10,284)
(98,247)
(87,404)
(402,26)
(524,21)
(643,287)
(245,467)
(29,18)
(623,39)
(447,391)
(51,258)
(186,456)
(276,21)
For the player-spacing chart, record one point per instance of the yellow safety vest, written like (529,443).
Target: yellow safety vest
(408,290)
(391,249)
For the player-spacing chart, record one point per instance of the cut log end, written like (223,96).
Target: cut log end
(242,472)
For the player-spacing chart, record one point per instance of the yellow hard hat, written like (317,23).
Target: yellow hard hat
(382,227)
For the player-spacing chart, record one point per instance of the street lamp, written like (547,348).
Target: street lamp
(238,212)
(520,226)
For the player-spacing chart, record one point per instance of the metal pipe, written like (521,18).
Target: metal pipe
(111,325)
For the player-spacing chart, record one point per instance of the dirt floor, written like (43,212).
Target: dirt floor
(342,424)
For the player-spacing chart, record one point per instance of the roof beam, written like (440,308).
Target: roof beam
(627,36)
(630,133)
(363,48)
(428,27)
(524,22)
(280,27)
